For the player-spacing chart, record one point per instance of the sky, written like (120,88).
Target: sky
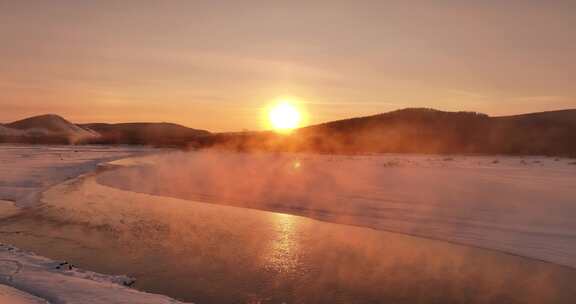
(216,65)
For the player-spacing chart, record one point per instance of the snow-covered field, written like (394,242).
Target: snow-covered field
(520,205)
(26,171)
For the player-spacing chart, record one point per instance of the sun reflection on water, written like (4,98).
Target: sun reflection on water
(282,255)
(296,164)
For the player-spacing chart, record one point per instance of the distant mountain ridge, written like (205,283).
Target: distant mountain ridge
(51,125)
(53,129)
(412,130)
(49,128)
(145,133)
(423,130)
(433,131)
(49,122)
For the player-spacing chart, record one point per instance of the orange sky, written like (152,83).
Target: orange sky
(216,64)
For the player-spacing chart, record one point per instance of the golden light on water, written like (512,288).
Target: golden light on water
(282,256)
(285,116)
(296,164)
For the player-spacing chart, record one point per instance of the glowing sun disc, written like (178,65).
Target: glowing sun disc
(284,117)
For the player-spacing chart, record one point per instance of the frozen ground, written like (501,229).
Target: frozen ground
(520,205)
(26,171)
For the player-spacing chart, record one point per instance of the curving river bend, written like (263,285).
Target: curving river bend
(211,253)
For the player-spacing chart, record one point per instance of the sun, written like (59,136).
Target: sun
(284,116)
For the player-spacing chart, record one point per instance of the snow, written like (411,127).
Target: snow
(59,282)
(27,171)
(47,125)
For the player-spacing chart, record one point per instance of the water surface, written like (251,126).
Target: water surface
(209,253)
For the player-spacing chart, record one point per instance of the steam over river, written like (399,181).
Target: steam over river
(213,253)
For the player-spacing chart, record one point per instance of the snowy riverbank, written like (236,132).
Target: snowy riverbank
(27,171)
(41,280)
(26,278)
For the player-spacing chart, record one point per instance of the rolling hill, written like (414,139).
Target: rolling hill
(421,130)
(413,130)
(164,134)
(53,129)
(44,129)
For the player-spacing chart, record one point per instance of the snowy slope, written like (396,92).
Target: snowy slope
(51,125)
